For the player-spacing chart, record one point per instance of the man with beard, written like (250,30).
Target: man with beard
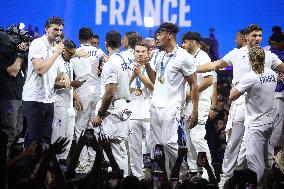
(38,89)
(235,152)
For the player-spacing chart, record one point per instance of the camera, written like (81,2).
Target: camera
(11,38)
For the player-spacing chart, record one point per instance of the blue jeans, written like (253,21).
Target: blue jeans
(39,117)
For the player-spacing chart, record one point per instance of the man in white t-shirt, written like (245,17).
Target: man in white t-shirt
(196,136)
(170,71)
(259,85)
(112,112)
(38,89)
(64,113)
(85,70)
(140,96)
(238,58)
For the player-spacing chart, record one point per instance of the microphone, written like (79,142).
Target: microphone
(57,40)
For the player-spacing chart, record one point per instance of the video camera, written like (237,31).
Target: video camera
(11,38)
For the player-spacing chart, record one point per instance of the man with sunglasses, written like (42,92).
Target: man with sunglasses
(170,71)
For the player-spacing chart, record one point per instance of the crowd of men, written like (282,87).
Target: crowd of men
(148,100)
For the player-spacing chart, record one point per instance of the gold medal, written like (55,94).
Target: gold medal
(138,92)
(161,79)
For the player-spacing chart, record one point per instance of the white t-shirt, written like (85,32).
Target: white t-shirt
(86,68)
(140,105)
(64,96)
(40,88)
(179,65)
(260,91)
(238,58)
(116,70)
(200,58)
(128,55)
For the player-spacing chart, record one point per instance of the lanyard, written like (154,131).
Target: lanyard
(163,67)
(138,81)
(196,53)
(157,53)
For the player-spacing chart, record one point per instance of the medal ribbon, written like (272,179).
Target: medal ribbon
(163,67)
(138,81)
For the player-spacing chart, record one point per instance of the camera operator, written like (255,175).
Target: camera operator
(38,89)
(12,69)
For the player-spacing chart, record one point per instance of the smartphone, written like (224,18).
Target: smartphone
(155,166)
(158,180)
(158,152)
(238,175)
(89,133)
(114,178)
(147,161)
(174,183)
(201,159)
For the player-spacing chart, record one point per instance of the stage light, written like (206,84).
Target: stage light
(21,26)
(149,22)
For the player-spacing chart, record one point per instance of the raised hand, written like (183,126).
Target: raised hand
(105,143)
(83,140)
(58,49)
(59,145)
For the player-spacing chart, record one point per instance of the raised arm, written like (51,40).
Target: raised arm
(42,66)
(212,66)
(206,82)
(234,94)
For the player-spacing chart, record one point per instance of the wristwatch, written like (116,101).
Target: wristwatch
(102,115)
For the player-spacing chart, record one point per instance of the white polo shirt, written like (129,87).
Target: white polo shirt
(238,58)
(40,88)
(259,96)
(200,58)
(179,65)
(116,70)
(86,68)
(140,105)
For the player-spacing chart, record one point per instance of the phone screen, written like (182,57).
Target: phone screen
(89,133)
(147,161)
(201,159)
(158,153)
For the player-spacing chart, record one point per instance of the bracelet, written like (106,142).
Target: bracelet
(102,115)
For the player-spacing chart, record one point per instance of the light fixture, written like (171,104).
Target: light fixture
(149,22)
(21,25)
